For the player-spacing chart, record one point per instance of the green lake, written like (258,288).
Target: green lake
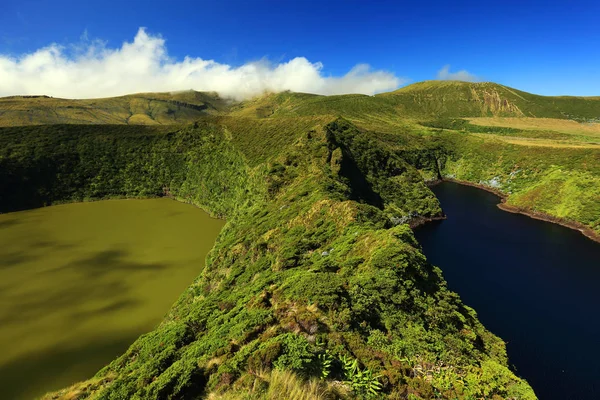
(80,282)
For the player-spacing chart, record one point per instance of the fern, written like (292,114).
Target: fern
(363,382)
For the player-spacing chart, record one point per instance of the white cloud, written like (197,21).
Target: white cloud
(444,74)
(90,69)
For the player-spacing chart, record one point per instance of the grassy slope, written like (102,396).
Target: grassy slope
(137,109)
(463,99)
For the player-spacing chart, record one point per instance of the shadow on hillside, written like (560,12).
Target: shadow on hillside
(361,189)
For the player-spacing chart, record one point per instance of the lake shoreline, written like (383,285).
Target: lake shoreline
(585,230)
(111,198)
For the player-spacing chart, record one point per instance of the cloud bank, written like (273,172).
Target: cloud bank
(444,74)
(91,69)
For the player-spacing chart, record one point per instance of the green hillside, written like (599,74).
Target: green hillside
(437,99)
(423,101)
(136,109)
(315,270)
(465,99)
(316,284)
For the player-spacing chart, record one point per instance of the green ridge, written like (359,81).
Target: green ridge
(310,262)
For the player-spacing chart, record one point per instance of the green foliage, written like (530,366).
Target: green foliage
(463,125)
(265,356)
(297,354)
(378,176)
(323,288)
(460,124)
(309,251)
(57,163)
(325,363)
(363,382)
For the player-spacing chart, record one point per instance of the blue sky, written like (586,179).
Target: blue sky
(547,47)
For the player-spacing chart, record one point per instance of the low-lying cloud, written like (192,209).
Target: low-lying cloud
(91,69)
(444,74)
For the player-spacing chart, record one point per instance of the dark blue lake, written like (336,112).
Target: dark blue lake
(533,283)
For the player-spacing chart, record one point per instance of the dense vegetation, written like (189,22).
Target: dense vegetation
(315,272)
(56,163)
(316,286)
(427,124)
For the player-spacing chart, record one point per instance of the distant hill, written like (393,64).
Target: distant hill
(135,109)
(420,101)
(486,99)
(430,99)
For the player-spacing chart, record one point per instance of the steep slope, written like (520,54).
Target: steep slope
(136,109)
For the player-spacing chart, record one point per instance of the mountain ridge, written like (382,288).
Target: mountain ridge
(133,109)
(419,100)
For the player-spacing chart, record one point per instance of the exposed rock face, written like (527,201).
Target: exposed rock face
(493,103)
